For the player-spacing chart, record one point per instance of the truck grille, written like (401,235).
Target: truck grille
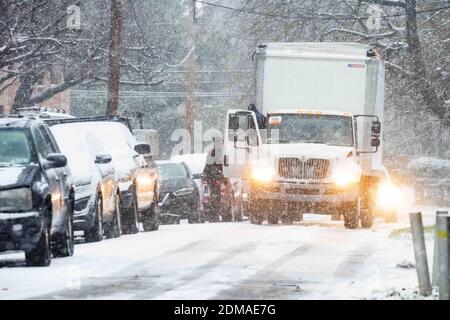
(299,169)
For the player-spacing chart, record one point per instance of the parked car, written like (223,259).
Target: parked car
(138,180)
(196,164)
(36,192)
(97,195)
(179,195)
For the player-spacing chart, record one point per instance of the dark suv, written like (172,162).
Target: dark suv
(36,193)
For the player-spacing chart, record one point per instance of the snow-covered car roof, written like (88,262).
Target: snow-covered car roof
(196,162)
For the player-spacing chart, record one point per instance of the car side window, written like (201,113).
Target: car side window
(41,145)
(50,141)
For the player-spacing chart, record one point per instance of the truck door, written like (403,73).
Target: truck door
(242,141)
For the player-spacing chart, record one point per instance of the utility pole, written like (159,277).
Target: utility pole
(115,56)
(190,77)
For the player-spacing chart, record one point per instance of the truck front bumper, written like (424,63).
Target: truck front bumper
(310,195)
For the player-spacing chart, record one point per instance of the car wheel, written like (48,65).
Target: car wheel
(64,243)
(150,217)
(41,255)
(287,219)
(95,233)
(272,218)
(114,228)
(130,222)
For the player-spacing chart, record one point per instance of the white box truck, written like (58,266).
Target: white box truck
(319,148)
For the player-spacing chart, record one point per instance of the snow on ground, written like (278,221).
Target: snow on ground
(313,259)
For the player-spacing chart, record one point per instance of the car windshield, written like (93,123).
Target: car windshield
(333,130)
(172,171)
(15,149)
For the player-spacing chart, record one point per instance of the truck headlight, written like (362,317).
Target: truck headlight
(184,191)
(387,196)
(16,200)
(262,173)
(346,174)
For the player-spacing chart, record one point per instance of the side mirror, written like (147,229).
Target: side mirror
(142,148)
(55,160)
(376,128)
(375,142)
(103,158)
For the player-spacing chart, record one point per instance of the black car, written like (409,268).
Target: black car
(179,197)
(36,193)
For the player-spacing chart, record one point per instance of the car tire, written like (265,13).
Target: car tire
(114,228)
(150,220)
(351,215)
(95,233)
(41,255)
(64,243)
(287,219)
(130,221)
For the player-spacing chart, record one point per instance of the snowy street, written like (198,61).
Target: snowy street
(315,258)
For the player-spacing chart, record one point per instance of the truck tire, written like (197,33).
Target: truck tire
(351,215)
(64,243)
(41,255)
(130,221)
(287,219)
(95,233)
(256,218)
(114,228)
(367,218)
(272,218)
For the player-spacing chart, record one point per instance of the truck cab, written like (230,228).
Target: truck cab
(320,148)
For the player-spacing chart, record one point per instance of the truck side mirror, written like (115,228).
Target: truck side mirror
(376,128)
(376,142)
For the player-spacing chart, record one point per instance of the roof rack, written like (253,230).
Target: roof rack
(124,120)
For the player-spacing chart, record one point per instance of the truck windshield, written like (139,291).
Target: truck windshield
(333,130)
(14,148)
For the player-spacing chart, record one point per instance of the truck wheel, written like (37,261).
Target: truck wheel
(287,219)
(114,228)
(64,243)
(41,255)
(351,215)
(130,222)
(272,218)
(95,233)
(366,218)
(256,219)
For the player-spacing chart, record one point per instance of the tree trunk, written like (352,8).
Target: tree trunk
(24,92)
(115,56)
(415,55)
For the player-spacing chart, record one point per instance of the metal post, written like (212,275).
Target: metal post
(420,253)
(443,247)
(435,277)
(190,76)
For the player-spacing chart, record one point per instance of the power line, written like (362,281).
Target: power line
(322,17)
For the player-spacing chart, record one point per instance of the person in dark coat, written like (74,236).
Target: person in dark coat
(259,116)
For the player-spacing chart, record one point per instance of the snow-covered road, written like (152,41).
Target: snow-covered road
(314,259)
